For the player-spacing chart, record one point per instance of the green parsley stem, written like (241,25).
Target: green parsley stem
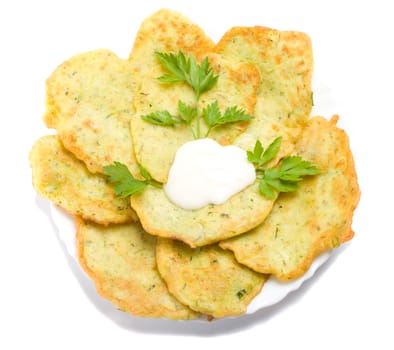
(198,129)
(193,133)
(155,183)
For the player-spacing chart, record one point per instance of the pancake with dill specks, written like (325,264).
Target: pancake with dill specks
(65,180)
(90,104)
(212,223)
(315,218)
(284,60)
(167,31)
(121,261)
(207,279)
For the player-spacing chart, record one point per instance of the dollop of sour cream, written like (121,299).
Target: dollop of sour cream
(205,172)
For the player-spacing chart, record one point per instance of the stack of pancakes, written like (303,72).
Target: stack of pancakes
(146,255)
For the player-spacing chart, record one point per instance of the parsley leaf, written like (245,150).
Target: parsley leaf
(211,113)
(234,114)
(280,185)
(162,118)
(266,190)
(283,178)
(254,157)
(186,113)
(293,168)
(175,65)
(259,156)
(286,177)
(125,184)
(200,77)
(213,117)
(271,151)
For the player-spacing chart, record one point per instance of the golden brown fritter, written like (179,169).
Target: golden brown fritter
(285,62)
(315,218)
(90,104)
(159,216)
(207,279)
(167,31)
(121,261)
(65,180)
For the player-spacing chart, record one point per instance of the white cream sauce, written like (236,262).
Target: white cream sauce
(204,172)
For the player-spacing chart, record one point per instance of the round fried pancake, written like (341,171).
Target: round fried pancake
(121,261)
(159,216)
(167,31)
(207,279)
(285,62)
(63,179)
(315,218)
(90,104)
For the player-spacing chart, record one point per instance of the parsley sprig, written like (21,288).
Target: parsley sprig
(283,178)
(213,117)
(125,184)
(201,78)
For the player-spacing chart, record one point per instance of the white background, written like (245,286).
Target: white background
(348,304)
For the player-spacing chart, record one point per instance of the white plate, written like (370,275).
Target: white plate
(272,293)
